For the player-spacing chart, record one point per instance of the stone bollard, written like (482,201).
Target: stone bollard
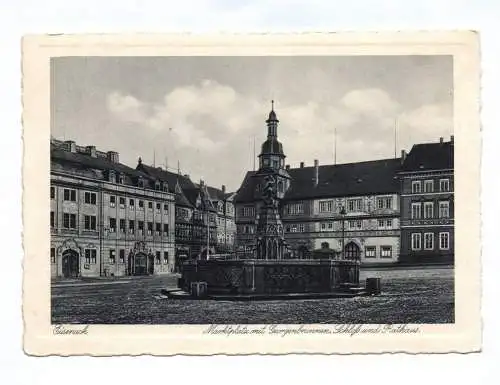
(373,286)
(199,289)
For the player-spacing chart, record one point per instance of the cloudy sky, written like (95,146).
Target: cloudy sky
(204,112)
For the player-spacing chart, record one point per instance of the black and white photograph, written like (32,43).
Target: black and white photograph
(278,189)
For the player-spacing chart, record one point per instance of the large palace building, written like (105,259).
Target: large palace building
(107,219)
(352,209)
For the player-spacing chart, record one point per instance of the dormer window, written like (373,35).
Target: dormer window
(165,186)
(157,185)
(112,176)
(121,179)
(140,182)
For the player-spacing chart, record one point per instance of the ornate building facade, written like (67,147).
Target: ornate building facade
(352,209)
(427,203)
(107,219)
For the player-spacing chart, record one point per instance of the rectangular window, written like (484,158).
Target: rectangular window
(370,252)
(140,227)
(355,225)
(131,204)
(326,206)
(354,205)
(52,192)
(165,257)
(69,221)
(295,209)
(384,203)
(141,204)
(165,207)
(150,205)
(416,187)
(429,186)
(165,229)
(122,202)
(69,195)
(158,206)
(157,228)
(112,201)
(52,219)
(90,222)
(428,241)
(444,185)
(444,209)
(330,226)
(444,241)
(302,228)
(112,225)
(150,228)
(416,241)
(248,211)
(52,255)
(131,226)
(112,256)
(158,258)
(386,252)
(388,223)
(91,256)
(122,226)
(416,209)
(122,255)
(323,226)
(90,198)
(381,223)
(429,210)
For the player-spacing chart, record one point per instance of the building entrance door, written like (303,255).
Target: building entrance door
(70,264)
(352,251)
(140,264)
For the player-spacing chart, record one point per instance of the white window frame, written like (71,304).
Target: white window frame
(71,191)
(426,205)
(414,184)
(443,204)
(432,241)
(416,238)
(429,182)
(326,206)
(445,235)
(446,182)
(371,248)
(419,205)
(382,251)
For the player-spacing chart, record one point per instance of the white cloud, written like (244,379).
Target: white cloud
(210,126)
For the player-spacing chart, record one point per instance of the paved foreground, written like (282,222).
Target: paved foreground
(408,296)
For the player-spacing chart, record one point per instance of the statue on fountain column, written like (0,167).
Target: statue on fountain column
(270,192)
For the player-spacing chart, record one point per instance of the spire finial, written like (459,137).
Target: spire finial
(272,105)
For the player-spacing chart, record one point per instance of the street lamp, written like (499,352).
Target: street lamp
(342,214)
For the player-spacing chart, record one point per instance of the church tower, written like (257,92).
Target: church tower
(272,181)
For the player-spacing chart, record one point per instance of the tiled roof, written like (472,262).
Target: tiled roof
(86,163)
(172,179)
(430,156)
(350,179)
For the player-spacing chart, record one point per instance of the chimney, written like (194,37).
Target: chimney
(301,164)
(112,156)
(70,146)
(316,172)
(441,140)
(91,151)
(202,183)
(452,139)
(223,189)
(287,167)
(403,156)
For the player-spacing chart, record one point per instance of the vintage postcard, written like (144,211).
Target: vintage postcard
(251,194)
